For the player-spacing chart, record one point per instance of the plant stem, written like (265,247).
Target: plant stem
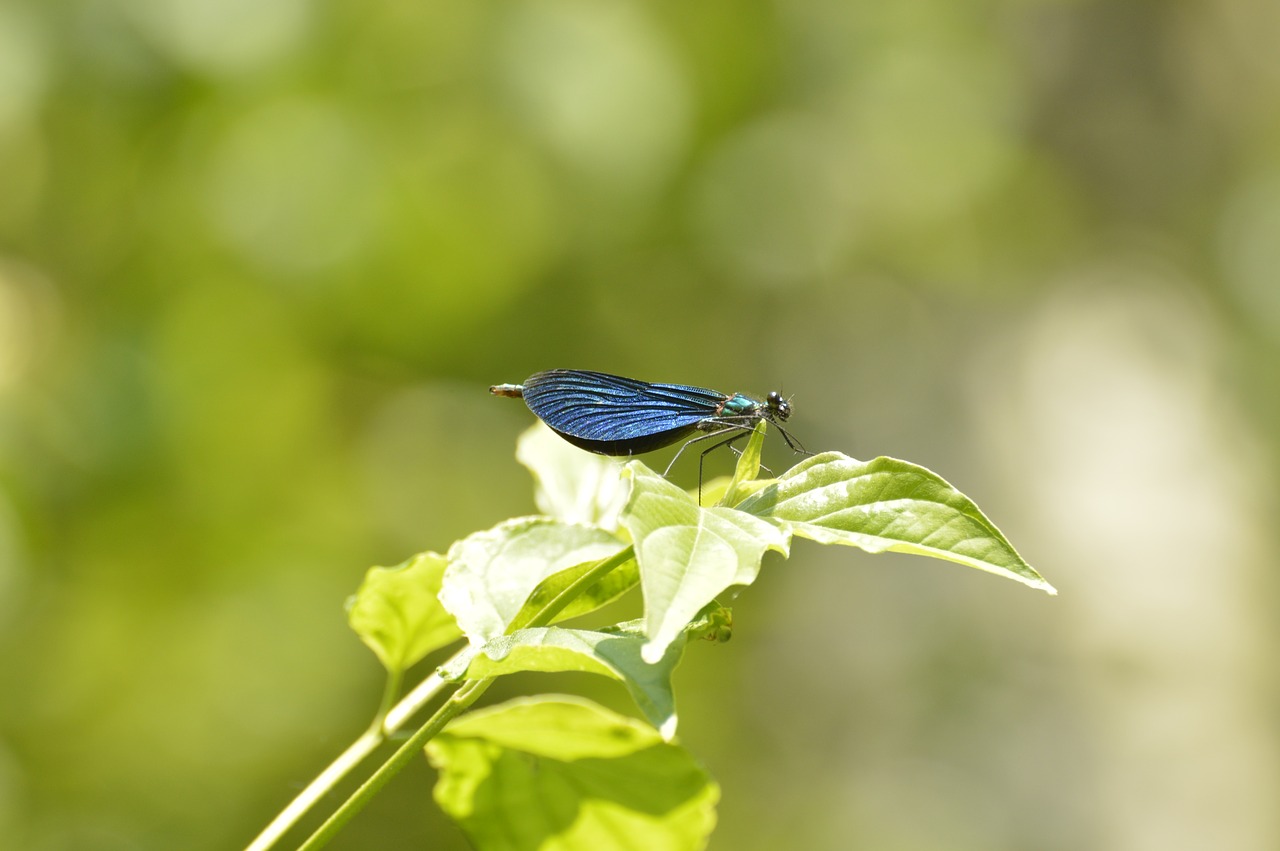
(461,699)
(326,780)
(389,721)
(316,789)
(416,699)
(390,690)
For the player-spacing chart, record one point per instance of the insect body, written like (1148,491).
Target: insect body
(612,415)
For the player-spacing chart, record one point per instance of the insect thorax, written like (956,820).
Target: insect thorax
(738,405)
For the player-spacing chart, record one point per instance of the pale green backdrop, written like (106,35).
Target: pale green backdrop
(259,263)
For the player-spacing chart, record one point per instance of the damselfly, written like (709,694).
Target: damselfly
(612,415)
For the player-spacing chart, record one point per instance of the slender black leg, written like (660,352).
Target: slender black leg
(792,443)
(742,429)
(708,436)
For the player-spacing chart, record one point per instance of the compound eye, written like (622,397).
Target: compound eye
(775,398)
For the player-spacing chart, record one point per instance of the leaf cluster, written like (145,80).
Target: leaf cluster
(556,771)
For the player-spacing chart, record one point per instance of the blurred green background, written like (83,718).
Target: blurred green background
(259,263)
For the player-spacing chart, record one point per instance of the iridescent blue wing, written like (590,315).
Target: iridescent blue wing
(613,415)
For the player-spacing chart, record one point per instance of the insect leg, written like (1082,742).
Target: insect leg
(792,443)
(691,441)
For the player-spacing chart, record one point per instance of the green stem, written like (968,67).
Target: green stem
(462,698)
(316,789)
(389,691)
(385,723)
(418,698)
(390,721)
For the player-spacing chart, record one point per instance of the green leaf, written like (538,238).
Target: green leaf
(747,470)
(396,611)
(887,504)
(727,491)
(572,484)
(565,774)
(613,652)
(688,555)
(491,574)
(604,591)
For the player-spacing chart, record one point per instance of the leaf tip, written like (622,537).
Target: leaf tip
(668,728)
(1040,584)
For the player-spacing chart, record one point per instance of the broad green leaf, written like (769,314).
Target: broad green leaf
(887,504)
(613,652)
(572,484)
(716,491)
(565,774)
(713,490)
(491,574)
(688,555)
(396,611)
(607,589)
